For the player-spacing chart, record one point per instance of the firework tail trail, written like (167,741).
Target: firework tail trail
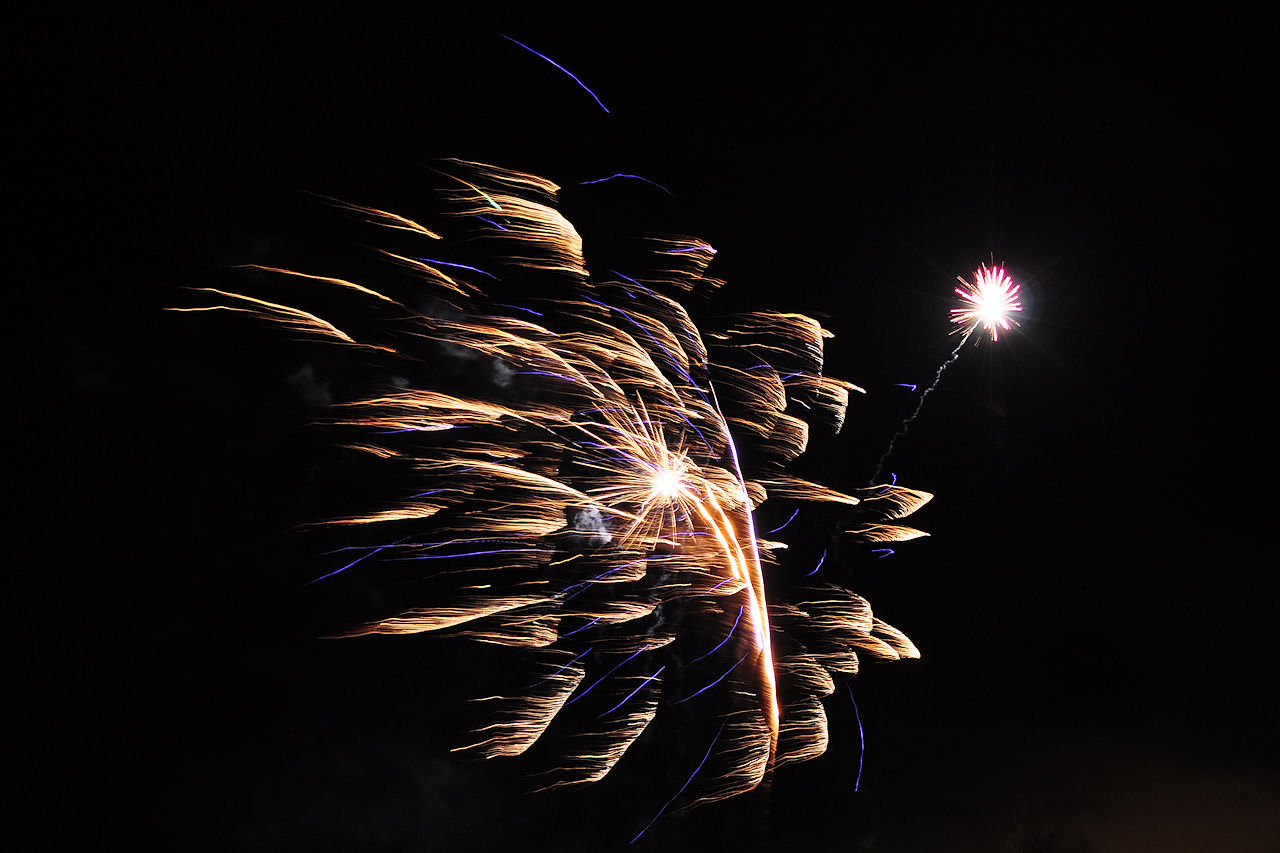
(906,424)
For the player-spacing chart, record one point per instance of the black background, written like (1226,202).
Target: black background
(1093,604)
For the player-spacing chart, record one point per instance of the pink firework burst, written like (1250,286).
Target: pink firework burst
(989,301)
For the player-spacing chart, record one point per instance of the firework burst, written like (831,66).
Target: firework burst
(583,497)
(989,301)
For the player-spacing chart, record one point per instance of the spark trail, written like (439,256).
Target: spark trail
(584,495)
(906,424)
(571,75)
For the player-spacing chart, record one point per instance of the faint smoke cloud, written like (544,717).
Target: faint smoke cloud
(309,387)
(590,526)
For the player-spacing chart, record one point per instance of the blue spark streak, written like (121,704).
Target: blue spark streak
(717,681)
(561,669)
(726,639)
(633,281)
(459,266)
(583,628)
(862,741)
(480,553)
(714,741)
(672,362)
(633,692)
(788,521)
(603,677)
(497,225)
(561,67)
(622,175)
(546,373)
(352,563)
(520,308)
(579,587)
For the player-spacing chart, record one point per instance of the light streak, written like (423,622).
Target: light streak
(590,485)
(456,266)
(695,772)
(785,523)
(702,690)
(629,696)
(862,739)
(622,175)
(562,68)
(726,639)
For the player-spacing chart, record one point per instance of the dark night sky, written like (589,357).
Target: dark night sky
(1094,604)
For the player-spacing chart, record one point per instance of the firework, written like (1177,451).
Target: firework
(582,495)
(989,301)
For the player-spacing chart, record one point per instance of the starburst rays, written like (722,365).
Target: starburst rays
(988,302)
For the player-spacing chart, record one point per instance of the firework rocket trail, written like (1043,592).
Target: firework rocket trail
(588,500)
(989,301)
(906,424)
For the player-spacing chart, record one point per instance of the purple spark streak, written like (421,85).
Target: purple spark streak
(561,669)
(862,741)
(583,628)
(352,563)
(909,386)
(603,677)
(717,586)
(633,281)
(562,68)
(579,587)
(694,427)
(726,639)
(883,552)
(820,562)
(459,266)
(494,224)
(717,681)
(480,553)
(546,373)
(634,692)
(432,492)
(520,308)
(622,175)
(714,741)
(788,521)
(672,362)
